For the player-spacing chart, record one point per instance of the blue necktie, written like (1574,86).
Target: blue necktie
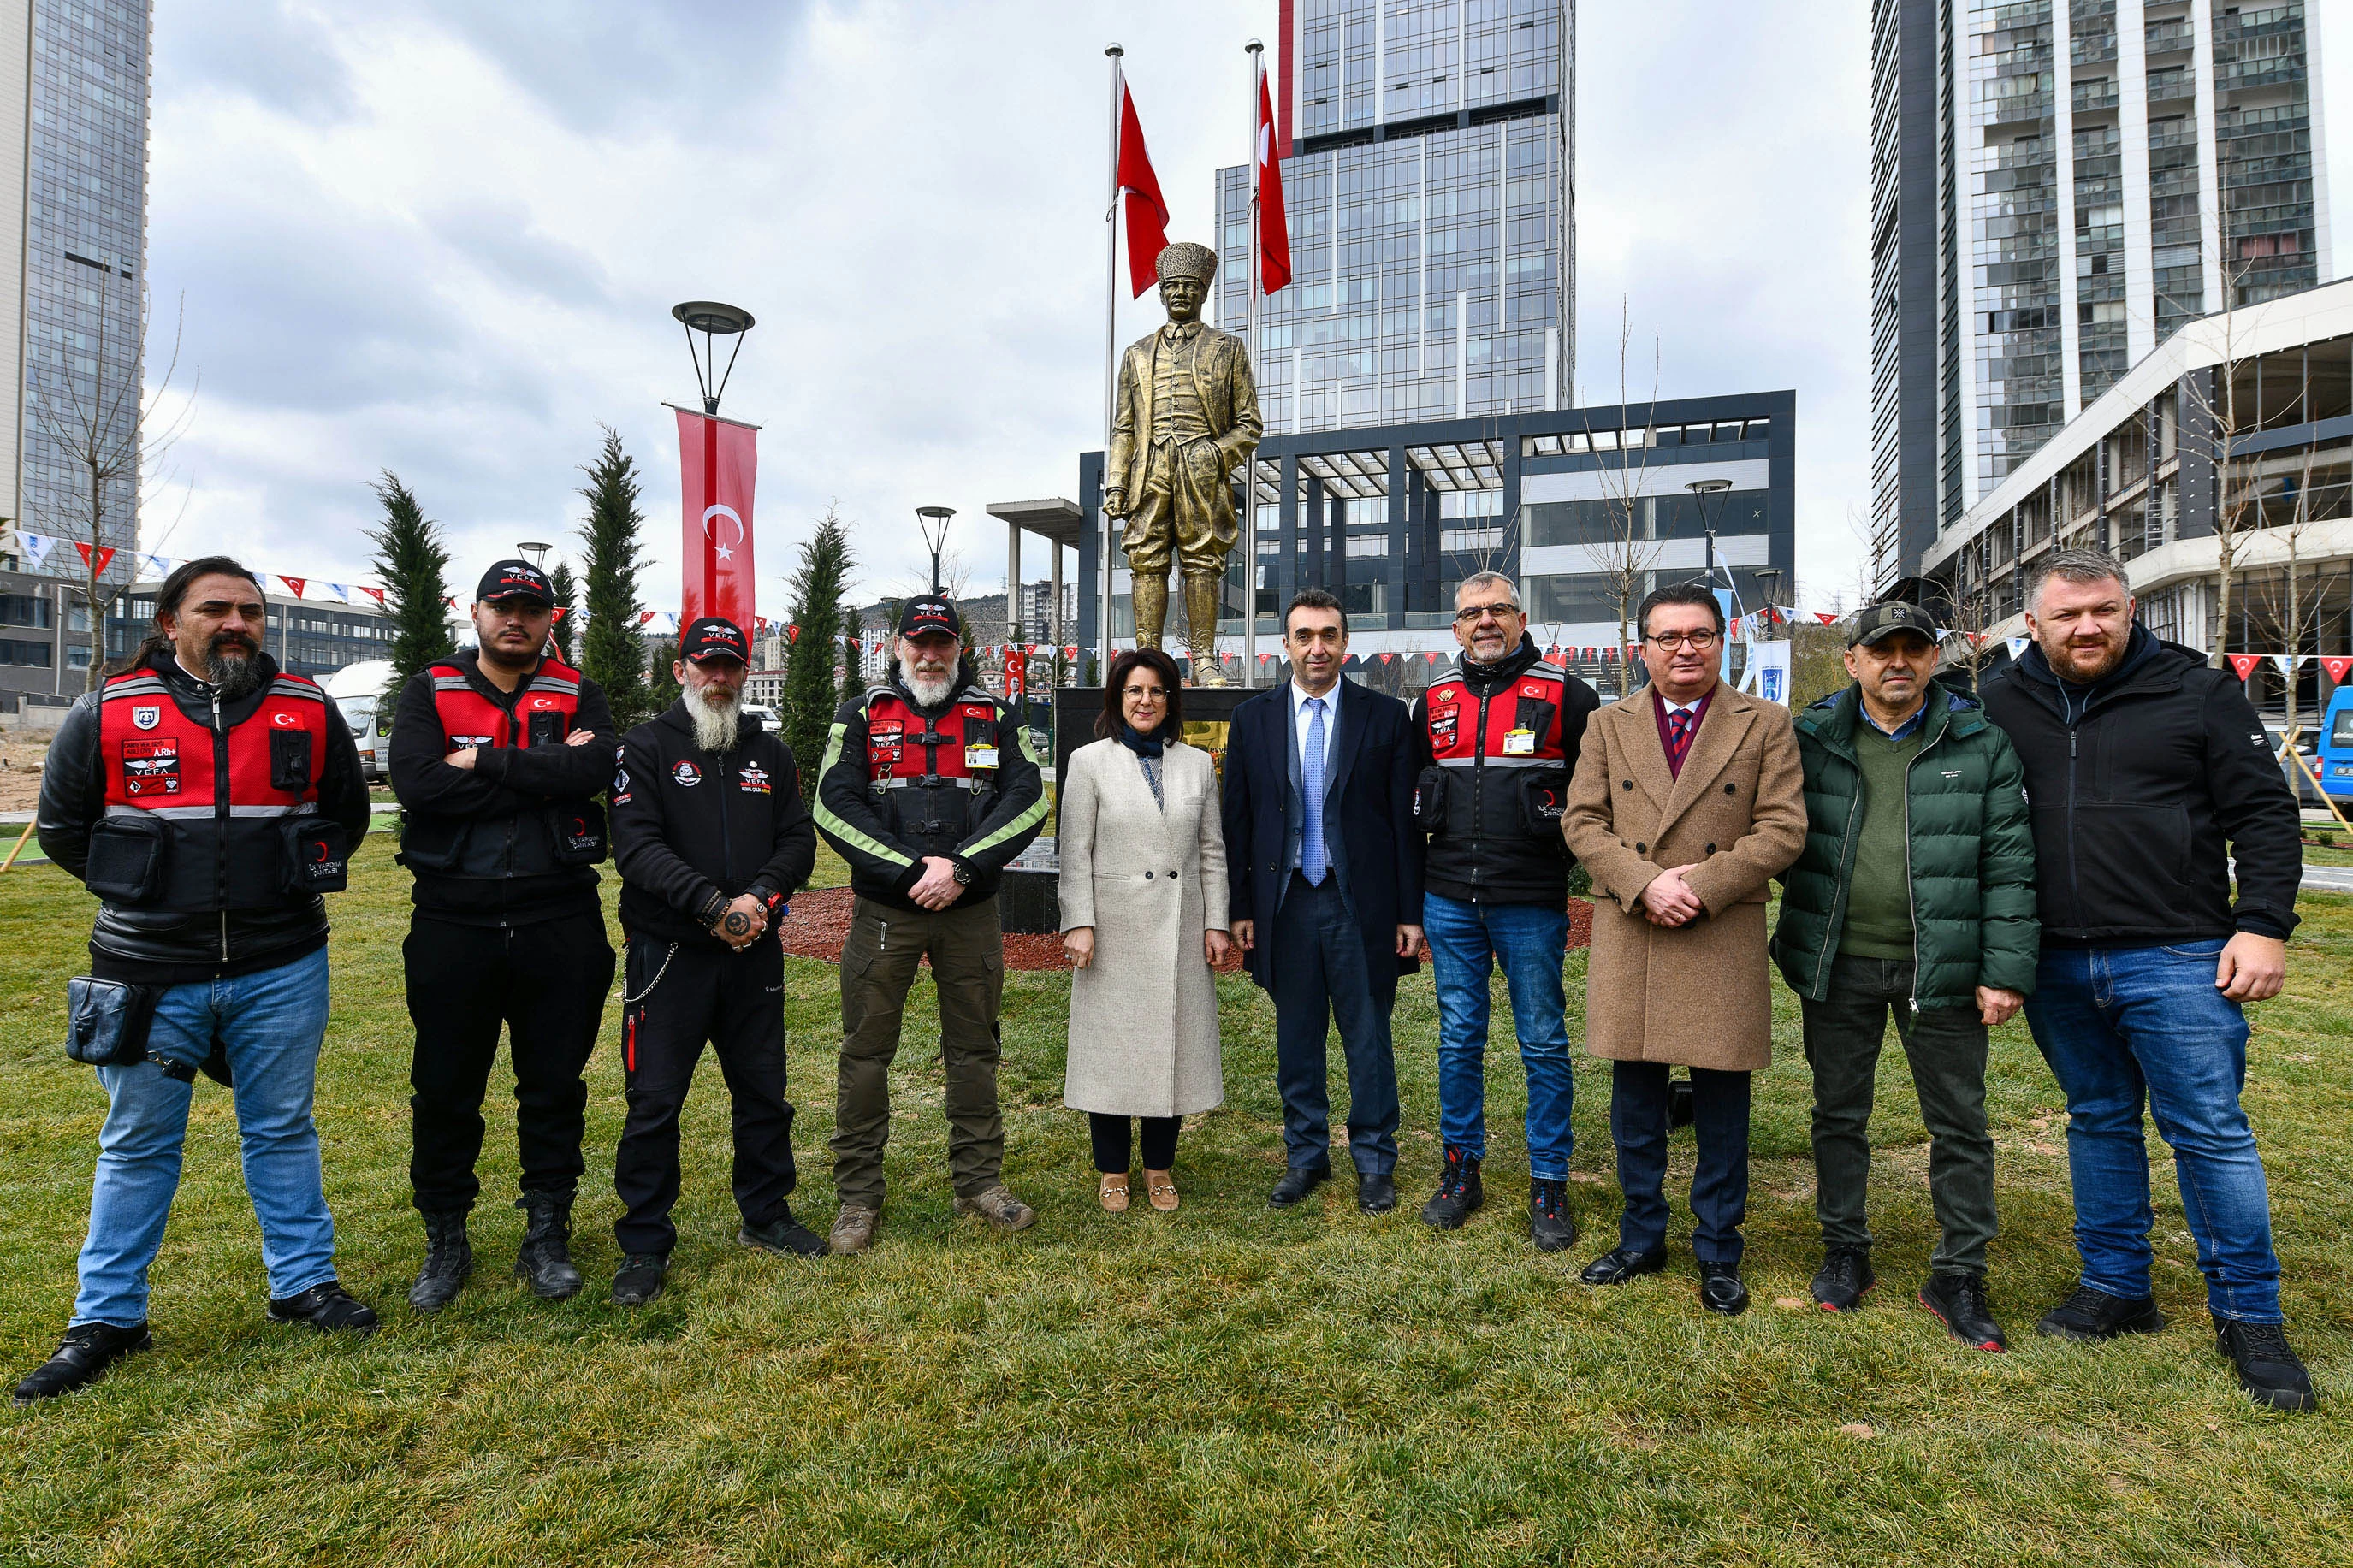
(1310,776)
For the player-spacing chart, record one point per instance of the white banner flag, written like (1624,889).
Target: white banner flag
(37,547)
(2017,646)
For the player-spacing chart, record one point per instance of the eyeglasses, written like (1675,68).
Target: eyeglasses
(1470,615)
(1700,641)
(1142,694)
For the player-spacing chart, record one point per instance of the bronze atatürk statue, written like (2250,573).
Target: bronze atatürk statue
(1186,421)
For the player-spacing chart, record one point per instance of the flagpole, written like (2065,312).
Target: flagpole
(1250,467)
(1111,353)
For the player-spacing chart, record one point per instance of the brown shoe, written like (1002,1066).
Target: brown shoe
(1112,1192)
(999,1208)
(1160,1186)
(853,1230)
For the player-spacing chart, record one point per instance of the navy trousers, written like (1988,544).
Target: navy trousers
(1320,979)
(1719,1194)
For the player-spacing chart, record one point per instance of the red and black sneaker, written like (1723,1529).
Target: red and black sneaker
(1459,1192)
(1959,1302)
(1844,1279)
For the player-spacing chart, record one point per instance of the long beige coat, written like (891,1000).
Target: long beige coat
(1144,1016)
(1699,995)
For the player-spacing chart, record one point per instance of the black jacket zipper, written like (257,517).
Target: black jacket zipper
(221,818)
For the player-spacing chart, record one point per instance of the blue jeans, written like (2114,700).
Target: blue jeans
(269,1024)
(1532,940)
(2121,1027)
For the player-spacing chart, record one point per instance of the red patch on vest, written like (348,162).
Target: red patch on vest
(151,767)
(1442,728)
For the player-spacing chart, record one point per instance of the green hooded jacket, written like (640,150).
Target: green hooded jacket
(1970,839)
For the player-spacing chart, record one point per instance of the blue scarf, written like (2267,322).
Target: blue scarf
(1143,743)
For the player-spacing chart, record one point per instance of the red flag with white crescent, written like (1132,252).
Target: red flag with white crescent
(2245,663)
(293,582)
(1139,188)
(1273,229)
(2337,669)
(717,464)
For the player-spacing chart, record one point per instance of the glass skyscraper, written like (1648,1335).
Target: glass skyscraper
(1431,207)
(2057,186)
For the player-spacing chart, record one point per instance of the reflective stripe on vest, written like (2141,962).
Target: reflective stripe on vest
(1523,727)
(545,707)
(903,748)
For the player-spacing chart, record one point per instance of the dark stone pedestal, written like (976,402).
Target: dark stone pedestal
(1208,711)
(1026,899)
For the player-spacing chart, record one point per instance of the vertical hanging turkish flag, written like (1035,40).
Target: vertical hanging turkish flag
(717,462)
(1139,188)
(1273,229)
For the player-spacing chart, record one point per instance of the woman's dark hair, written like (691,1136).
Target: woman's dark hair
(1172,719)
(169,596)
(1698,594)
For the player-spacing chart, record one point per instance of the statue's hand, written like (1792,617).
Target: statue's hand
(1116,502)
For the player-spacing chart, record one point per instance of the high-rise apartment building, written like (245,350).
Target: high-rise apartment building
(1431,204)
(2057,186)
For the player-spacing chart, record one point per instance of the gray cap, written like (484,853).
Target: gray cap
(1876,623)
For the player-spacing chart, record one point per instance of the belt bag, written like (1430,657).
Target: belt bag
(107,1020)
(579,829)
(318,853)
(126,857)
(1543,792)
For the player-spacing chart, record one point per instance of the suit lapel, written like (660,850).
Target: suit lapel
(1349,732)
(1637,740)
(1721,730)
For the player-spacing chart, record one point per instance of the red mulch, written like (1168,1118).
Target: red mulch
(820,925)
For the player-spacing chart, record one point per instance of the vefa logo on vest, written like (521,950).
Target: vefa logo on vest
(1443,727)
(469,743)
(687,775)
(753,779)
(151,767)
(146,718)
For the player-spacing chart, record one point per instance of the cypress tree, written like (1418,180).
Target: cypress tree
(567,600)
(610,654)
(661,688)
(816,608)
(412,563)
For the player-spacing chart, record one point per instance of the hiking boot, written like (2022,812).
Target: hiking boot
(1958,1300)
(327,1307)
(1459,1192)
(783,1233)
(2268,1368)
(1550,1225)
(2090,1314)
(449,1261)
(999,1208)
(640,1279)
(1844,1279)
(82,1357)
(853,1230)
(543,1262)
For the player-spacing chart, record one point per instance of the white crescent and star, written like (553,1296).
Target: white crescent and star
(729,513)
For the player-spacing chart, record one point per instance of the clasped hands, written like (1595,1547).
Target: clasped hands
(1669,900)
(465,759)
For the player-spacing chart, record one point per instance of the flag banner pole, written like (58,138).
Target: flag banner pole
(1250,467)
(718,465)
(1111,349)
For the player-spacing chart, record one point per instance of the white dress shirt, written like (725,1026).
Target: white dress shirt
(1301,717)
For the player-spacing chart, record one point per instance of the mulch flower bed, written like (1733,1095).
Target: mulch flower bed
(820,925)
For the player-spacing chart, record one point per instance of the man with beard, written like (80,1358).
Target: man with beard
(498,754)
(712,837)
(208,800)
(929,788)
(2148,775)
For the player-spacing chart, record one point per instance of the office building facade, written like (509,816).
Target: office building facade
(2058,187)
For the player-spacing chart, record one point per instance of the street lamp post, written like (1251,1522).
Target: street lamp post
(714,321)
(1710,494)
(535,552)
(933,521)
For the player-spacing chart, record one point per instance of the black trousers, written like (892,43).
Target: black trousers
(1109,1135)
(1320,981)
(1719,1192)
(546,982)
(733,1001)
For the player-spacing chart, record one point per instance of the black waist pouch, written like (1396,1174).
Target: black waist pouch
(1543,792)
(106,1021)
(579,829)
(1431,789)
(318,853)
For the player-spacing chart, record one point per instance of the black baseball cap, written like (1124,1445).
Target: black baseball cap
(515,580)
(1874,624)
(928,613)
(714,637)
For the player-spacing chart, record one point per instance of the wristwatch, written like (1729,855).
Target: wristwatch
(963,874)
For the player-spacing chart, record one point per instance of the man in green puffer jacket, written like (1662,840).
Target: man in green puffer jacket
(1915,894)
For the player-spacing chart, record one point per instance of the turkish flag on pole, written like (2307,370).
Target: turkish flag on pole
(1139,188)
(1273,229)
(717,462)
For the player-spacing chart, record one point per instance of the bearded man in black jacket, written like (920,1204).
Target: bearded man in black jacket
(2147,772)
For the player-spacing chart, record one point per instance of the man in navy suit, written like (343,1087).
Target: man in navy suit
(1325,866)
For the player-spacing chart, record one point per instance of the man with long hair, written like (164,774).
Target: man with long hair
(208,800)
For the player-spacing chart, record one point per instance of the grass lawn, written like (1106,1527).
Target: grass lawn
(1225,1385)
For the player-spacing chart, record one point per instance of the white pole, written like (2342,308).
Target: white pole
(1249,469)
(1110,351)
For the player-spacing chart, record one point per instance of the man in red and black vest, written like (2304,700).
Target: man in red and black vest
(929,788)
(1499,733)
(208,800)
(498,753)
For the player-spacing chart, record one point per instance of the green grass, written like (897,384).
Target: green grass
(1225,1385)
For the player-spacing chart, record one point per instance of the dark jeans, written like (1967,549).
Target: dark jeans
(2128,1027)
(547,983)
(1946,1049)
(733,1001)
(1320,980)
(1109,1135)
(1719,1193)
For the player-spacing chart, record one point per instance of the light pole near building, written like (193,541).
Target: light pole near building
(535,552)
(1710,494)
(933,521)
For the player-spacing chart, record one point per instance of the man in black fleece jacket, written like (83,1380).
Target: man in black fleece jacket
(2146,772)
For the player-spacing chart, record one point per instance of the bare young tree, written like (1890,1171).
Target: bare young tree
(2281,599)
(110,434)
(1626,553)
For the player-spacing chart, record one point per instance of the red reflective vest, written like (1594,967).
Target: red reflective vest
(203,817)
(543,708)
(932,777)
(1516,727)
(560,835)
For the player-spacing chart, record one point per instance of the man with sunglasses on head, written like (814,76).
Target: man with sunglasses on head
(1496,735)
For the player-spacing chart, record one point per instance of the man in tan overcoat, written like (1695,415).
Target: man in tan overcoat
(1687,800)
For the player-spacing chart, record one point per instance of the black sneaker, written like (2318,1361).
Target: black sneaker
(1460,1192)
(784,1234)
(640,1279)
(1959,1302)
(1844,1279)
(83,1356)
(1550,1225)
(2268,1367)
(2090,1314)
(327,1307)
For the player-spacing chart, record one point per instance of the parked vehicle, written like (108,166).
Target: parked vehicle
(2335,762)
(359,693)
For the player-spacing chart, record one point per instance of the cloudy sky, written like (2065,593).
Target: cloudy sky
(442,239)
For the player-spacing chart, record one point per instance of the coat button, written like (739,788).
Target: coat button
(1147,875)
(1729,789)
(1625,783)
(1172,876)
(1711,850)
(1642,849)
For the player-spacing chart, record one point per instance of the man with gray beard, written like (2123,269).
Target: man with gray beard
(712,837)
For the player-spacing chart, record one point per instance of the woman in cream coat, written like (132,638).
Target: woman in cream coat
(1144,919)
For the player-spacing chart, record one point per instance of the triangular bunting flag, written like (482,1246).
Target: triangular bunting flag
(376,593)
(341,591)
(452,602)
(1826,620)
(37,547)
(645,617)
(2337,669)
(2288,662)
(2245,663)
(2017,646)
(156,565)
(295,583)
(93,558)
(561,611)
